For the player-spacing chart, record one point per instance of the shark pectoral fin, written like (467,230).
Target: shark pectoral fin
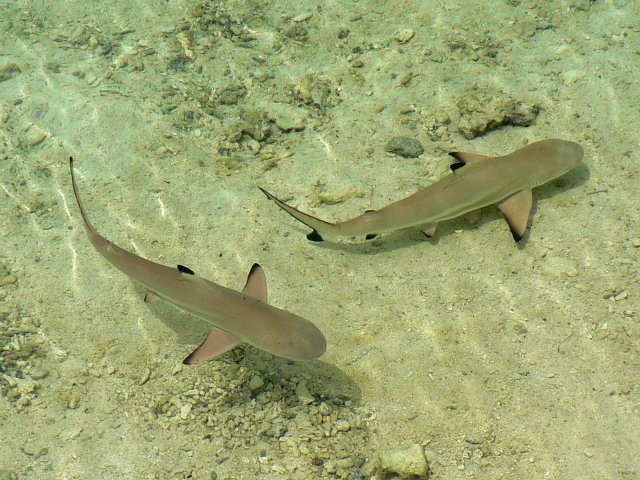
(217,343)
(466,157)
(256,285)
(516,210)
(151,297)
(429,229)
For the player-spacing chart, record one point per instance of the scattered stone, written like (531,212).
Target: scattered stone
(619,296)
(186,42)
(316,91)
(185,410)
(408,463)
(303,394)
(256,382)
(286,117)
(339,196)
(8,280)
(342,425)
(481,114)
(36,135)
(4,114)
(519,328)
(38,373)
(404,35)
(8,71)
(232,94)
(302,17)
(70,434)
(558,266)
(406,147)
(635,242)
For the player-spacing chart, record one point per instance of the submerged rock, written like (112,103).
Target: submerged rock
(406,147)
(406,463)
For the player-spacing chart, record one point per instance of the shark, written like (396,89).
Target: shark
(475,181)
(237,317)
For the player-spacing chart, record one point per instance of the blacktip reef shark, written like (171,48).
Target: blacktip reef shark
(476,181)
(237,317)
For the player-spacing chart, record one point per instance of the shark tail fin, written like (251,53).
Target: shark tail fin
(321,229)
(220,341)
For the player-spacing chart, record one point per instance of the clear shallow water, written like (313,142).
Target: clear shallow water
(497,359)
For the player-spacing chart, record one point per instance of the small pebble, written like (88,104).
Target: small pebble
(342,425)
(36,136)
(90,79)
(256,382)
(404,35)
(185,410)
(302,17)
(635,242)
(4,114)
(70,433)
(620,296)
(287,118)
(303,394)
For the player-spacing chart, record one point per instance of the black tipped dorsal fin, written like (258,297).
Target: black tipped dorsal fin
(256,285)
(467,157)
(186,270)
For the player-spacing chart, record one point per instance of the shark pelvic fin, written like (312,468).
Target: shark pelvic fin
(151,297)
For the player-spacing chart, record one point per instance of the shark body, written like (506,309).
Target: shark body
(237,317)
(476,181)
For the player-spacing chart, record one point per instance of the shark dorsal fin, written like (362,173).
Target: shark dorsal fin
(220,341)
(516,210)
(186,270)
(467,157)
(256,285)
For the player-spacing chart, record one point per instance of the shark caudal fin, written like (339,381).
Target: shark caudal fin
(219,341)
(321,229)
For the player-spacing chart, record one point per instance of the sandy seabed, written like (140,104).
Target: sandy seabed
(500,360)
